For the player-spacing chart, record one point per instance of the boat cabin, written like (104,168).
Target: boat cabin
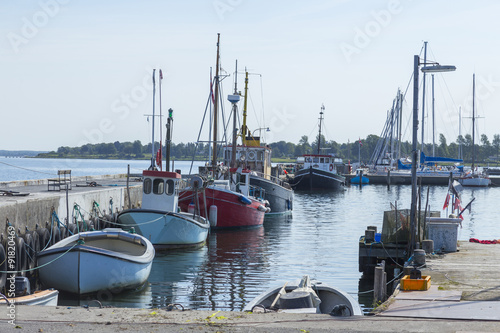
(241,179)
(327,163)
(255,158)
(160,190)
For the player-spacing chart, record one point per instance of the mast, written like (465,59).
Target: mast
(152,167)
(423,98)
(433,120)
(244,126)
(159,88)
(320,120)
(234,99)
(473,120)
(168,139)
(216,101)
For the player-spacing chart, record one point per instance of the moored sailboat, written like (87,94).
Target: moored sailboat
(474,178)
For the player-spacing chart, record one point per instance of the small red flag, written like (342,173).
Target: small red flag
(446,201)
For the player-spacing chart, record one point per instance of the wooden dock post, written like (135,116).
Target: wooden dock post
(379,283)
(388,177)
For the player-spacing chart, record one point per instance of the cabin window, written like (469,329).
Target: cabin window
(322,160)
(308,160)
(170,187)
(327,160)
(259,156)
(315,159)
(242,179)
(147,186)
(158,186)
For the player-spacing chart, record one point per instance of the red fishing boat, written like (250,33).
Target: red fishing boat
(228,200)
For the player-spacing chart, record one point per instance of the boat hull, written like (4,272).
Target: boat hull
(166,230)
(312,178)
(474,181)
(280,198)
(95,261)
(47,297)
(231,212)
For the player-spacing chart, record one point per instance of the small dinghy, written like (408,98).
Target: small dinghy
(305,296)
(24,296)
(88,262)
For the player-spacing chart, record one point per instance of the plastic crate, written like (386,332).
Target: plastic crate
(415,284)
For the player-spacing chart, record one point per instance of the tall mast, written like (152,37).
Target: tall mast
(423,98)
(214,144)
(159,88)
(320,119)
(473,119)
(168,140)
(234,99)
(152,167)
(244,126)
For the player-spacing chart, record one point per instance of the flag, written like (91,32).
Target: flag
(456,204)
(446,201)
(360,144)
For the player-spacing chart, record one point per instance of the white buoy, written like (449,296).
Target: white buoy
(212,216)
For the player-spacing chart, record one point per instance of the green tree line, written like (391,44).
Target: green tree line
(485,152)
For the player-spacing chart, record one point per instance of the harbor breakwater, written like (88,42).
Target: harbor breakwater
(26,211)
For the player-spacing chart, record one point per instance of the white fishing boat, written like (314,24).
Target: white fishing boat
(305,296)
(158,219)
(109,259)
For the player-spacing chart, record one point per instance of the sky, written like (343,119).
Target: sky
(77,72)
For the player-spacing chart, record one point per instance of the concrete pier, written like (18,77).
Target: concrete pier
(465,285)
(36,207)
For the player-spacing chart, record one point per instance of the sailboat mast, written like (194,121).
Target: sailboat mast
(423,97)
(244,126)
(214,143)
(320,120)
(473,120)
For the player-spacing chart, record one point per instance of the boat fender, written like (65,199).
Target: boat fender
(30,250)
(21,256)
(331,167)
(3,267)
(36,242)
(267,203)
(244,200)
(56,236)
(44,237)
(72,229)
(268,210)
(262,208)
(212,216)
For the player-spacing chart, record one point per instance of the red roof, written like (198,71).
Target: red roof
(163,174)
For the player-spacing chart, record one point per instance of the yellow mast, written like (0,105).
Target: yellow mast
(244,127)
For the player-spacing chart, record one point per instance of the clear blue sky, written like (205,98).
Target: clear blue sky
(76,72)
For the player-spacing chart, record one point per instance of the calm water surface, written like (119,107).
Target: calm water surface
(320,238)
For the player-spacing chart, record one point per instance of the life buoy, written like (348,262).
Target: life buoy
(331,167)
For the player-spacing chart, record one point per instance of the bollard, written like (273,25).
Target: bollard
(369,235)
(428,245)
(419,257)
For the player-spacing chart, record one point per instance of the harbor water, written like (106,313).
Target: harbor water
(320,238)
